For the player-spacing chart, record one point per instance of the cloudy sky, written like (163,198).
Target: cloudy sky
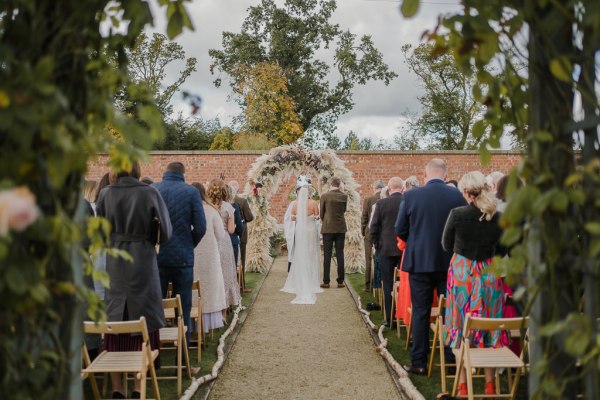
(378,108)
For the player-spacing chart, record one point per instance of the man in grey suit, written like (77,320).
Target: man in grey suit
(366,217)
(333,208)
(247,216)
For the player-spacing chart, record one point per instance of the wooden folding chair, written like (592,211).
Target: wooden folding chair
(196,314)
(434,313)
(135,362)
(395,285)
(176,336)
(502,357)
(438,343)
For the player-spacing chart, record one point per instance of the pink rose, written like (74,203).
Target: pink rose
(18,209)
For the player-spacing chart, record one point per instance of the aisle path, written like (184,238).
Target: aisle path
(287,351)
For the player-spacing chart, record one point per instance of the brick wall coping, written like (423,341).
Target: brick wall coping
(349,152)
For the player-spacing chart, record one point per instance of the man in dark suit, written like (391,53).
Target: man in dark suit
(247,216)
(333,207)
(366,216)
(384,239)
(420,223)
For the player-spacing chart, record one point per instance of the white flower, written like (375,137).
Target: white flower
(18,209)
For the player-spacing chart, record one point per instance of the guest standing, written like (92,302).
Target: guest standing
(217,195)
(247,217)
(421,219)
(238,222)
(473,234)
(384,240)
(176,258)
(207,266)
(333,208)
(366,217)
(130,206)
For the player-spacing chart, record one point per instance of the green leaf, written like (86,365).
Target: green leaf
(544,136)
(593,228)
(409,8)
(15,280)
(478,129)
(595,248)
(511,236)
(175,25)
(562,68)
(559,201)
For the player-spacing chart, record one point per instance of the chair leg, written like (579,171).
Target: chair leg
(178,348)
(186,354)
(459,368)
(469,371)
(143,385)
(433,347)
(154,380)
(409,331)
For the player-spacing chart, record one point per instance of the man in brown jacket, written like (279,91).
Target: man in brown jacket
(366,217)
(333,207)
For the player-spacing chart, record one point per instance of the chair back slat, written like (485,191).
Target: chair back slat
(491,324)
(196,286)
(118,327)
(173,303)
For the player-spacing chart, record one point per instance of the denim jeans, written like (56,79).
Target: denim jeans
(182,279)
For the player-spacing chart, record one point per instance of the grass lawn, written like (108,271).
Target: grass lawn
(429,387)
(168,388)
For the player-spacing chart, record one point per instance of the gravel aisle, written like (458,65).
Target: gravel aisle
(287,351)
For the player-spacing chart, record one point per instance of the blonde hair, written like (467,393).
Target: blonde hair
(217,192)
(89,191)
(474,184)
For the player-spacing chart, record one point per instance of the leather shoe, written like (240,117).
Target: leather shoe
(341,285)
(325,285)
(389,325)
(414,370)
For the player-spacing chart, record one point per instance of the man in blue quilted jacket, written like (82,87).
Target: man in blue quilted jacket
(176,257)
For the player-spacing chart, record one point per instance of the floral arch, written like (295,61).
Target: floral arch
(264,178)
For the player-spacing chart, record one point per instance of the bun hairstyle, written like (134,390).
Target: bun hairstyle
(217,192)
(474,184)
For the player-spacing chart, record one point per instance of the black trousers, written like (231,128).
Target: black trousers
(329,239)
(387,264)
(422,287)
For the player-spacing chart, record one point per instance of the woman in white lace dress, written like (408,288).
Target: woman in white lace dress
(217,194)
(207,267)
(303,278)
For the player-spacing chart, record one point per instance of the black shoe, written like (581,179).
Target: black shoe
(389,324)
(451,370)
(414,370)
(136,395)
(118,395)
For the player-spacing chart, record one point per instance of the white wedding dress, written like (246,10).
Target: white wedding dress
(303,278)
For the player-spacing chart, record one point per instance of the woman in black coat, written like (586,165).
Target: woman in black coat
(133,209)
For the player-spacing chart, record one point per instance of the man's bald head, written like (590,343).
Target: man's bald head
(395,185)
(436,169)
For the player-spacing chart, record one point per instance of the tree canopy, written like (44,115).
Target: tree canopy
(449,110)
(290,36)
(148,60)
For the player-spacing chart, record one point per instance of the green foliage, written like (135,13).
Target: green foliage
(291,35)
(449,111)
(189,134)
(57,85)
(223,140)
(544,55)
(148,60)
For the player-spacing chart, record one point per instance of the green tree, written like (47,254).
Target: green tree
(290,36)
(148,60)
(553,223)
(184,133)
(57,89)
(223,140)
(269,110)
(448,107)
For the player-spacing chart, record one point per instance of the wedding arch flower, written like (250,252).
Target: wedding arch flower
(264,179)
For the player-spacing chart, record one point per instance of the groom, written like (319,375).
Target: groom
(333,207)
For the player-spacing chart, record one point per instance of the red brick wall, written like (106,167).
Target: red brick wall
(201,166)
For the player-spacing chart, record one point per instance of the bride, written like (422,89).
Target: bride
(303,278)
